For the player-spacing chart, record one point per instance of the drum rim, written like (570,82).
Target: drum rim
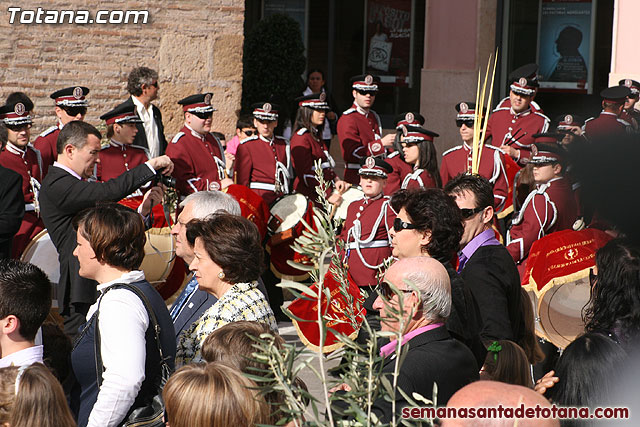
(33,241)
(279,199)
(552,335)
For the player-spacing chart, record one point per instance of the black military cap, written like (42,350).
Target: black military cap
(633,85)
(365,82)
(317,101)
(466,111)
(417,134)
(617,94)
(123,113)
(373,166)
(542,152)
(73,96)
(16,97)
(410,118)
(15,114)
(565,121)
(524,80)
(548,137)
(265,111)
(198,103)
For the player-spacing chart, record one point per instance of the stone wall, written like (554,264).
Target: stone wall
(196,46)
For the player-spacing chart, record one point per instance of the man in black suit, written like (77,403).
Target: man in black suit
(485,264)
(65,192)
(419,290)
(11,202)
(143,86)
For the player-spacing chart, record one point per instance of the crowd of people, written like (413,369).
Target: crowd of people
(458,231)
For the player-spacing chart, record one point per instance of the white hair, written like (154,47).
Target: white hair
(205,203)
(435,293)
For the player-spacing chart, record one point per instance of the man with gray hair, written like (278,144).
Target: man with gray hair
(143,86)
(193,302)
(422,297)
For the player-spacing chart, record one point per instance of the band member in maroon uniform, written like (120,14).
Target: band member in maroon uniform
(608,123)
(550,207)
(359,128)
(263,161)
(196,153)
(396,158)
(419,151)
(21,157)
(458,159)
(71,104)
(366,229)
(629,113)
(512,127)
(307,147)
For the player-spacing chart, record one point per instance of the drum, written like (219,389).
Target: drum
(349,196)
(284,220)
(159,264)
(41,252)
(560,311)
(538,325)
(252,206)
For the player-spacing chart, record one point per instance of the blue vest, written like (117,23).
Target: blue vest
(85,392)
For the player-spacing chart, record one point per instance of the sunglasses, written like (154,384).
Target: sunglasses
(203,116)
(249,132)
(367,92)
(388,293)
(74,111)
(468,123)
(468,213)
(399,225)
(19,128)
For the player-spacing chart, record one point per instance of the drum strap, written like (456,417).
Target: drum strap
(373,244)
(262,186)
(29,207)
(356,231)
(323,165)
(414,176)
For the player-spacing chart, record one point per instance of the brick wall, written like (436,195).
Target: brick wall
(196,46)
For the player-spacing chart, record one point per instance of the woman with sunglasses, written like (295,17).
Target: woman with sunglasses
(419,151)
(458,159)
(307,148)
(197,154)
(71,104)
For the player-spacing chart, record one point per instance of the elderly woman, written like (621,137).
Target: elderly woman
(227,262)
(110,249)
(429,223)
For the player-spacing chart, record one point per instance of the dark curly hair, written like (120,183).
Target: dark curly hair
(431,209)
(139,76)
(614,306)
(232,242)
(478,185)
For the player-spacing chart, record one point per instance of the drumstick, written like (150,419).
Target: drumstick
(516,140)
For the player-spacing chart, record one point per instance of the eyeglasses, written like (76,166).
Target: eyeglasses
(203,116)
(388,293)
(468,123)
(74,111)
(399,225)
(249,132)
(367,92)
(592,277)
(468,213)
(19,128)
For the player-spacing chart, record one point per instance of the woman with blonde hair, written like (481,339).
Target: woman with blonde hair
(212,395)
(31,396)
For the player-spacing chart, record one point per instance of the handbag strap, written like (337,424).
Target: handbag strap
(152,318)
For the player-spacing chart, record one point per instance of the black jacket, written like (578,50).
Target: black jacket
(11,208)
(493,278)
(62,196)
(141,137)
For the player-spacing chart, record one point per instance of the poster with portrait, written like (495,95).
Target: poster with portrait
(388,40)
(565,45)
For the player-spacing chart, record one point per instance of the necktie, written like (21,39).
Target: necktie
(190,288)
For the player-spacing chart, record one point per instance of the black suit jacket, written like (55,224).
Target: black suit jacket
(11,208)
(433,356)
(62,196)
(493,278)
(193,308)
(141,137)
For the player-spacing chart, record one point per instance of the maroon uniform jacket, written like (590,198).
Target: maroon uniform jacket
(366,236)
(551,207)
(504,124)
(400,170)
(359,134)
(305,151)
(630,117)
(46,144)
(117,158)
(257,162)
(198,161)
(458,160)
(604,125)
(418,178)
(28,164)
